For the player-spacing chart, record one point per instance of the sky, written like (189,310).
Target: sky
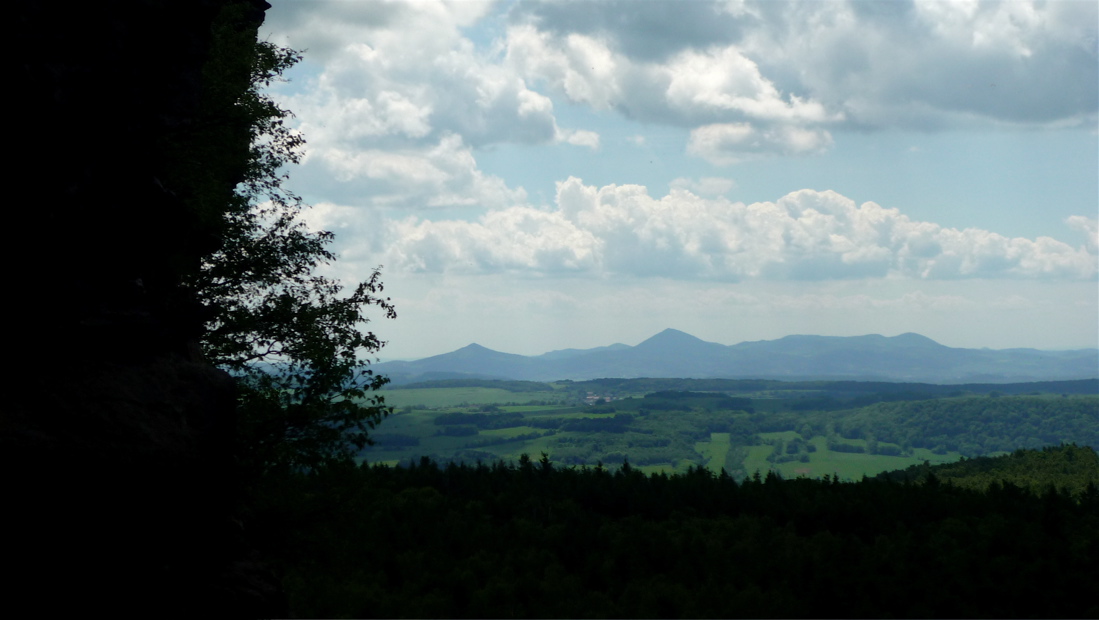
(534,176)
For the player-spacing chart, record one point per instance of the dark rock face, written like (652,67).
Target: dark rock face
(116,436)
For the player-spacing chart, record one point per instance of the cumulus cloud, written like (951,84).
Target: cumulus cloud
(381,88)
(936,64)
(690,87)
(581,67)
(730,143)
(327,27)
(718,82)
(805,235)
(1090,227)
(742,113)
(516,239)
(578,137)
(399,98)
(397,88)
(706,186)
(444,174)
(651,30)
(864,63)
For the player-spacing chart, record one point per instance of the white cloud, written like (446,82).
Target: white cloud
(723,83)
(805,235)
(716,84)
(581,67)
(392,92)
(746,116)
(444,174)
(516,239)
(706,186)
(399,98)
(936,64)
(579,137)
(730,143)
(1090,227)
(867,63)
(326,27)
(401,81)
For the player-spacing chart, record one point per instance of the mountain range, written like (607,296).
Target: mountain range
(672,353)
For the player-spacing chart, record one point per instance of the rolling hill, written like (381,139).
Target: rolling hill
(673,353)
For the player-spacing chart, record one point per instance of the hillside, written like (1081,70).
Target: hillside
(1071,469)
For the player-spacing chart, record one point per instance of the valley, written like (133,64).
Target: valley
(809,428)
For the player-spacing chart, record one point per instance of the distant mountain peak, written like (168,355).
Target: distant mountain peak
(673,353)
(673,339)
(914,338)
(670,335)
(471,351)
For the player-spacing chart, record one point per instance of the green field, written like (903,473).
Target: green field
(847,465)
(534,408)
(492,444)
(460,396)
(714,451)
(509,432)
(493,423)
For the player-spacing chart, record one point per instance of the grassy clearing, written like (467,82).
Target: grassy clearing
(757,459)
(510,432)
(567,413)
(416,423)
(533,448)
(847,465)
(783,435)
(714,451)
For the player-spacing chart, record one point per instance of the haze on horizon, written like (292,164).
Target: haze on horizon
(673,333)
(536,176)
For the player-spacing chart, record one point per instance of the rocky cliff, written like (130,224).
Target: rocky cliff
(119,492)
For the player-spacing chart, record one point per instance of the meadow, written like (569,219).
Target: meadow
(448,397)
(741,433)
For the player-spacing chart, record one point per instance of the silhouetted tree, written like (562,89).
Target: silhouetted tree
(293,338)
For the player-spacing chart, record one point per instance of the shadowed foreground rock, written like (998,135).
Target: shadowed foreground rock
(116,435)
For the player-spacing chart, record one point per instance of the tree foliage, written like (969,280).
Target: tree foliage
(293,337)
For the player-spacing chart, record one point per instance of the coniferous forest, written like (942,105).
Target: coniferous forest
(190,412)
(534,540)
